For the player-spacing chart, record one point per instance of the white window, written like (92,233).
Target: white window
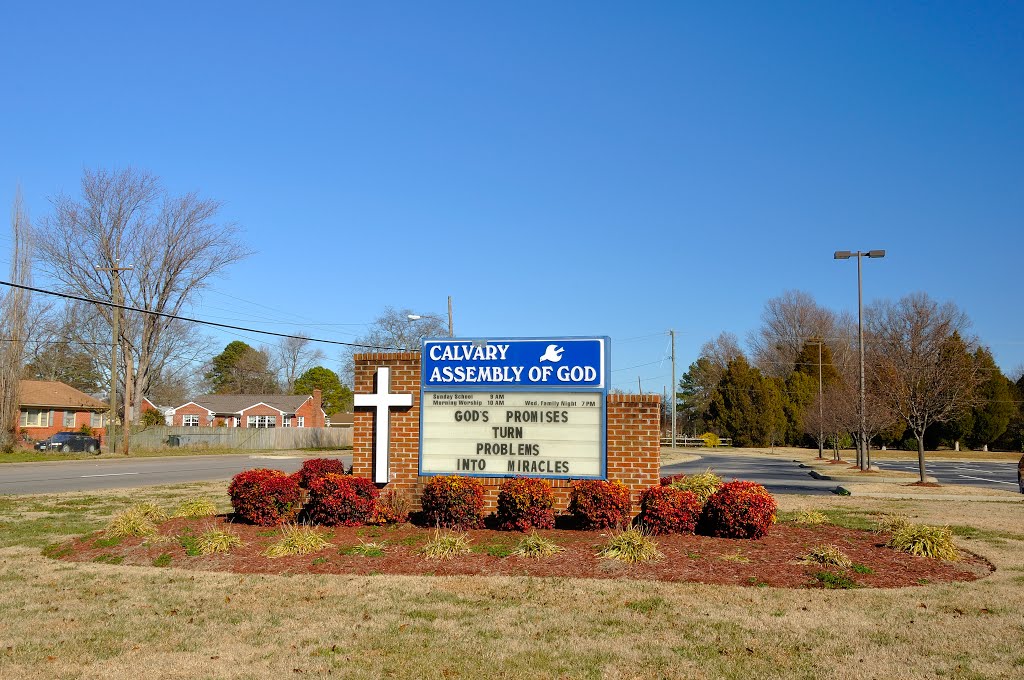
(97,420)
(302,421)
(69,418)
(33,417)
(287,422)
(262,421)
(190,421)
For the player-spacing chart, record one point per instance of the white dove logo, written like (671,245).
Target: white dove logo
(553,354)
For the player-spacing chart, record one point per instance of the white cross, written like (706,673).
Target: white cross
(382,400)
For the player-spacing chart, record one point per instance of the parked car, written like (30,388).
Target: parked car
(69,441)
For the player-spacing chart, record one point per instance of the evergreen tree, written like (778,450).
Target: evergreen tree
(801,393)
(336,397)
(241,369)
(991,416)
(747,406)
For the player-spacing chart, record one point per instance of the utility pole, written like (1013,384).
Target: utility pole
(115,311)
(451,329)
(821,410)
(672,333)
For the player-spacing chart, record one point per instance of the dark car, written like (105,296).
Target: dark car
(69,441)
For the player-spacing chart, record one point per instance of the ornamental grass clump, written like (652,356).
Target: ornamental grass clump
(315,468)
(596,504)
(535,546)
(632,546)
(828,555)
(925,541)
(453,502)
(265,497)
(341,500)
(668,510)
(130,522)
(891,523)
(150,511)
(445,546)
(738,510)
(297,540)
(196,507)
(811,518)
(216,541)
(365,549)
(525,504)
(703,484)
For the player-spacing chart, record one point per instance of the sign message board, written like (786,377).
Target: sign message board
(514,407)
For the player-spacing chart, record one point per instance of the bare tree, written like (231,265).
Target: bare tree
(14,307)
(174,244)
(394,330)
(921,368)
(295,356)
(55,351)
(788,321)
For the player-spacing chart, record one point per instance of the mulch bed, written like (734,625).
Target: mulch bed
(770,561)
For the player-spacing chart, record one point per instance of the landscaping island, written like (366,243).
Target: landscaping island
(738,540)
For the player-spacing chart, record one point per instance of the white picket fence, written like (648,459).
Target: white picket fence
(274,438)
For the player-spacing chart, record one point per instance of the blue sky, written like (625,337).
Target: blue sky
(558,168)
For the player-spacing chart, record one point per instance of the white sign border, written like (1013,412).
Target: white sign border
(603,391)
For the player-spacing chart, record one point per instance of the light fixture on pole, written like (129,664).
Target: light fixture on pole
(863,454)
(451,329)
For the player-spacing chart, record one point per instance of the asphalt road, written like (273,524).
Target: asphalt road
(776,475)
(989,474)
(90,475)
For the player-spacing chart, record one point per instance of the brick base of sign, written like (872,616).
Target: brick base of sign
(633,427)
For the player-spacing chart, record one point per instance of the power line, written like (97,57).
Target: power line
(204,322)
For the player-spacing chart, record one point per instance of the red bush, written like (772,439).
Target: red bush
(453,502)
(597,504)
(665,481)
(391,508)
(525,504)
(341,500)
(667,510)
(264,497)
(315,468)
(738,510)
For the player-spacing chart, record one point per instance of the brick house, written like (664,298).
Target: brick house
(251,410)
(48,407)
(166,411)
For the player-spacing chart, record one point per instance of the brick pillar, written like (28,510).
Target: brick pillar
(405,423)
(634,441)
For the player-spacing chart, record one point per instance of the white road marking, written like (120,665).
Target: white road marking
(111,474)
(997,481)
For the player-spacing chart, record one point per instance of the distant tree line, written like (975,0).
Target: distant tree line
(928,383)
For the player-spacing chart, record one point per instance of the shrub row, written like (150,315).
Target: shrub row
(732,510)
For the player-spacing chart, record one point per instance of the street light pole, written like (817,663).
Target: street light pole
(864,454)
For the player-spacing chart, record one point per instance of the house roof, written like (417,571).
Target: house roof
(53,394)
(233,404)
(342,418)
